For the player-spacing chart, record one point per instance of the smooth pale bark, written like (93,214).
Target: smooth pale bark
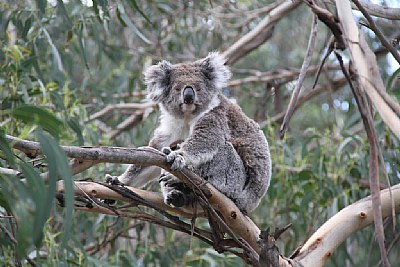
(322,244)
(365,64)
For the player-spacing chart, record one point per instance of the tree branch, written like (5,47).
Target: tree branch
(279,76)
(376,30)
(314,253)
(304,67)
(366,116)
(378,10)
(365,64)
(146,156)
(321,245)
(259,34)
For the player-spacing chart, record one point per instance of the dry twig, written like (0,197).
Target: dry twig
(304,67)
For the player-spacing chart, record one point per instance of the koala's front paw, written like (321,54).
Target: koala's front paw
(176,158)
(112,180)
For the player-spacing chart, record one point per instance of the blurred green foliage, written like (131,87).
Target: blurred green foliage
(61,61)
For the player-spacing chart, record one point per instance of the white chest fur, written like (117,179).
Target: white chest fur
(174,129)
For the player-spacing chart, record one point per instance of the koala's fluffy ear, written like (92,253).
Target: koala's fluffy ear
(157,79)
(213,67)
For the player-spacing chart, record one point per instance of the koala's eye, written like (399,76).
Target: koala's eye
(178,89)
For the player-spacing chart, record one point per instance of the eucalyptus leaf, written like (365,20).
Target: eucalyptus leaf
(41,4)
(39,116)
(135,6)
(58,167)
(74,125)
(126,20)
(6,149)
(21,205)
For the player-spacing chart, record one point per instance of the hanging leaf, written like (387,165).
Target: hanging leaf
(5,149)
(43,205)
(39,116)
(58,167)
(74,125)
(127,22)
(41,4)
(19,201)
(135,6)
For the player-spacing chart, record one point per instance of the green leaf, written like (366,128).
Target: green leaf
(6,149)
(63,11)
(81,47)
(305,175)
(58,166)
(41,4)
(104,8)
(58,101)
(19,201)
(38,192)
(74,124)
(135,6)
(392,78)
(127,22)
(35,63)
(120,18)
(39,116)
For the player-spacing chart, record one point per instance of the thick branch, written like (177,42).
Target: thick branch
(321,245)
(145,156)
(83,188)
(365,64)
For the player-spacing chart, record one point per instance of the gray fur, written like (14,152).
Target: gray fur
(219,142)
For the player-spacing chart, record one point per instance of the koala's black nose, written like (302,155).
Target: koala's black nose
(188,95)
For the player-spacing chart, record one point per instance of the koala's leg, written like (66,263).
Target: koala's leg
(255,155)
(175,192)
(226,173)
(138,176)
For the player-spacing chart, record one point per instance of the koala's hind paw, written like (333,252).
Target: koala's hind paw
(176,159)
(179,197)
(175,198)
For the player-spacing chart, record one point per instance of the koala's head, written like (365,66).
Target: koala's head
(187,88)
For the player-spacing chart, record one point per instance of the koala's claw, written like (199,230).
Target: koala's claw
(109,178)
(177,160)
(174,157)
(165,178)
(175,198)
(113,180)
(166,150)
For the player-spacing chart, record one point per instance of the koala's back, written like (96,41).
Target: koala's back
(251,145)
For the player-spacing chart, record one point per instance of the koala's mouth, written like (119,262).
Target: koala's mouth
(188,108)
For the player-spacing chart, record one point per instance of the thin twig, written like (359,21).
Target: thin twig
(329,20)
(328,52)
(121,106)
(303,71)
(127,124)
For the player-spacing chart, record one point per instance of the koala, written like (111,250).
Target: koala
(212,136)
